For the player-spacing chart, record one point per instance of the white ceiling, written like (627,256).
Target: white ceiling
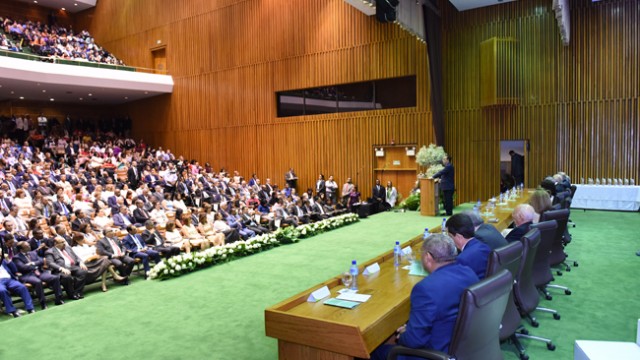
(72,6)
(463,5)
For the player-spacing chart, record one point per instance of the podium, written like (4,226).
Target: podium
(429,197)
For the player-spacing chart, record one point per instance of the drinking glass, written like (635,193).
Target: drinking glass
(347,279)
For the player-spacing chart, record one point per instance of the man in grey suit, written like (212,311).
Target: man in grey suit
(111,247)
(62,260)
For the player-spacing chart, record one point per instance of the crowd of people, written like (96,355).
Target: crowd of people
(54,41)
(96,203)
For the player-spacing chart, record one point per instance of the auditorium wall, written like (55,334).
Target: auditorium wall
(229,57)
(578,104)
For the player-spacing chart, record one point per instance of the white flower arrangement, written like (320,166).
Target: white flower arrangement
(431,158)
(183,263)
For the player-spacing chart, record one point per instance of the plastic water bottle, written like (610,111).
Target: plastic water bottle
(354,274)
(397,255)
(444,226)
(426,233)
(479,204)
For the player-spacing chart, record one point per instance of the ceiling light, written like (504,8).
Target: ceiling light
(12,93)
(21,97)
(63,9)
(52,99)
(90,94)
(75,4)
(80,99)
(126,98)
(35,2)
(44,91)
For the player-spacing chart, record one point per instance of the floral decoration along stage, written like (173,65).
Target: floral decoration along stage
(184,263)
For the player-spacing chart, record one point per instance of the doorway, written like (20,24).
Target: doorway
(513,163)
(159,60)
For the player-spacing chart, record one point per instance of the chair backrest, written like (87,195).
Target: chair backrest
(573,190)
(541,267)
(524,290)
(561,216)
(476,333)
(507,257)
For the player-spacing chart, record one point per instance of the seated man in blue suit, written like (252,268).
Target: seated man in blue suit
(473,252)
(9,284)
(434,300)
(137,248)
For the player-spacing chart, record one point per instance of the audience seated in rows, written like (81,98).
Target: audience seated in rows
(58,42)
(98,204)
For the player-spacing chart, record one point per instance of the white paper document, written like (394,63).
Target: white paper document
(353,297)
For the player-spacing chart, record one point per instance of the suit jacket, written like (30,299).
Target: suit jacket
(517,233)
(55,260)
(133,178)
(446,176)
(22,263)
(140,216)
(489,235)
(153,238)
(118,220)
(475,255)
(433,315)
(59,208)
(379,192)
(11,269)
(103,247)
(77,223)
(130,244)
(7,202)
(320,186)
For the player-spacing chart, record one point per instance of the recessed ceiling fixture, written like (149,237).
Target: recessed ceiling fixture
(21,97)
(52,99)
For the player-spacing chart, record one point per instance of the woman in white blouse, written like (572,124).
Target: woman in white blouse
(173,236)
(97,266)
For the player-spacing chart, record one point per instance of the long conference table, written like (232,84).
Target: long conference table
(607,197)
(308,330)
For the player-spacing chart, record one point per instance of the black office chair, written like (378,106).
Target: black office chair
(558,257)
(508,257)
(476,333)
(542,275)
(524,290)
(573,189)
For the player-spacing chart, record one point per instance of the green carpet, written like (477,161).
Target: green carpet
(218,313)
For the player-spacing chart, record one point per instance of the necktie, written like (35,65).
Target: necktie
(64,208)
(66,254)
(135,239)
(116,248)
(4,204)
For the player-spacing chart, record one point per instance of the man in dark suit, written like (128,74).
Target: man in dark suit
(140,214)
(138,249)
(29,265)
(320,185)
(378,197)
(38,242)
(522,216)
(5,203)
(9,284)
(112,248)
(434,300)
(517,167)
(81,219)
(473,253)
(447,183)
(156,241)
(133,175)
(63,261)
(486,233)
(60,208)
